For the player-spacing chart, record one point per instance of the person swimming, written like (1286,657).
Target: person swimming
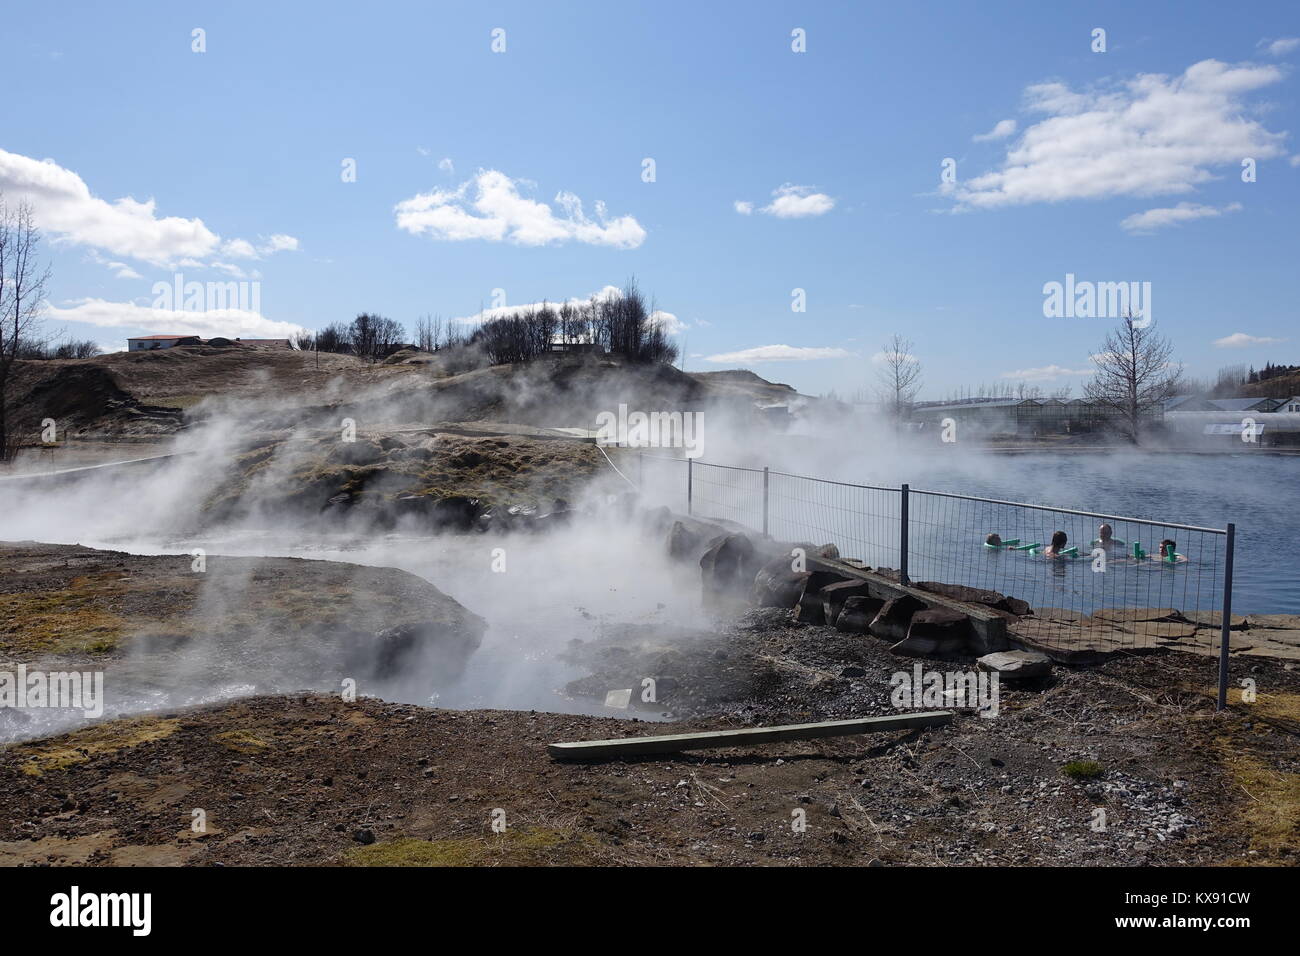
(1057,547)
(1169,551)
(994,540)
(1106,538)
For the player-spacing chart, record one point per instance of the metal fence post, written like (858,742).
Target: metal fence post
(765,499)
(690,469)
(1227,617)
(902,538)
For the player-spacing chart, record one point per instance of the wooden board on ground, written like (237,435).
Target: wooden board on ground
(674,743)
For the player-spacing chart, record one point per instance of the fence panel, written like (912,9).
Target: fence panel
(1102,592)
(1097,595)
(863,521)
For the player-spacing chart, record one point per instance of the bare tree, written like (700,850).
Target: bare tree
(22,302)
(900,375)
(428,332)
(1134,375)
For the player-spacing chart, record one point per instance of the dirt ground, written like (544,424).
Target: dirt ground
(317,780)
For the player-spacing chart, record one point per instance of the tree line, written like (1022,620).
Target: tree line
(624,324)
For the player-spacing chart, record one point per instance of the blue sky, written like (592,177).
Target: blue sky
(838,151)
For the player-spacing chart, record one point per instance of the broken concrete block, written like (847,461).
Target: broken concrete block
(1016,665)
(936,632)
(894,617)
(857,614)
(809,609)
(834,595)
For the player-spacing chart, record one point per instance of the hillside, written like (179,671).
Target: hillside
(126,395)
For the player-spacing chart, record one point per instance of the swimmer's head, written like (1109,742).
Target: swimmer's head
(1167,548)
(1058,540)
(994,540)
(1104,532)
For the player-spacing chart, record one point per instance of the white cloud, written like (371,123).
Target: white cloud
(1281,46)
(743,207)
(1046,373)
(64,207)
(1002,130)
(776,353)
(1150,135)
(797,202)
(231,323)
(490,207)
(667,321)
(120,269)
(238,249)
(1154,219)
(1295,160)
(447,166)
(278,242)
(1240,340)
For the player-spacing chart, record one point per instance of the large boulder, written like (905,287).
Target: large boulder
(727,570)
(688,539)
(778,585)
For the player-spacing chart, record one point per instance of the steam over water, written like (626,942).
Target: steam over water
(580,582)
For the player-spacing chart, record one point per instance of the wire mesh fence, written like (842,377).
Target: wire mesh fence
(1095,582)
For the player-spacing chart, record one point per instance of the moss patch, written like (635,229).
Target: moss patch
(529,846)
(57,622)
(59,753)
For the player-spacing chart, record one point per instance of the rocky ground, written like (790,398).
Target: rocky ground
(315,779)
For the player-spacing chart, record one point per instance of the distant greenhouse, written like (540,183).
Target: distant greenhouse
(1025,417)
